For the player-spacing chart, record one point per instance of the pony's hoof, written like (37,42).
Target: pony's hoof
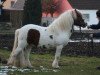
(55,66)
(30,67)
(9,64)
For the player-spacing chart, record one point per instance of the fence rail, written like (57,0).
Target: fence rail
(73,48)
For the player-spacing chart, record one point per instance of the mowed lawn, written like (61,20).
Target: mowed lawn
(80,65)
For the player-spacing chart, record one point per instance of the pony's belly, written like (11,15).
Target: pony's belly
(47,45)
(46,42)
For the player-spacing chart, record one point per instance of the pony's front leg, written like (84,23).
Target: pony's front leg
(57,56)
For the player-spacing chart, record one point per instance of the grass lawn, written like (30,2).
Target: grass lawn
(80,65)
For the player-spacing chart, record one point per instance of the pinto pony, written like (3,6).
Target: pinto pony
(57,35)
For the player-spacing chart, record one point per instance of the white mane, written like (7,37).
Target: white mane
(62,23)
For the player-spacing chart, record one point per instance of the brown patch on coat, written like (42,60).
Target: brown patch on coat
(33,37)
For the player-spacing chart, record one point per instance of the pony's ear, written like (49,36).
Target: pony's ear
(75,10)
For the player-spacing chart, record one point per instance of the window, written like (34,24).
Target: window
(86,17)
(12,3)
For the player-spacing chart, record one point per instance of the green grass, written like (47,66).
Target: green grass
(80,65)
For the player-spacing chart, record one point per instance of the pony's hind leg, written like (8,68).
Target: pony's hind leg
(15,58)
(57,56)
(27,53)
(14,47)
(21,59)
(18,54)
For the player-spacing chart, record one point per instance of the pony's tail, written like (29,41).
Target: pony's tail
(11,60)
(15,40)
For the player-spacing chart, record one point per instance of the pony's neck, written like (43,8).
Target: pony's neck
(62,24)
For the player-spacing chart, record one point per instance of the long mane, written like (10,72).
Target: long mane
(62,23)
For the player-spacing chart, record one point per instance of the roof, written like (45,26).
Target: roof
(7,4)
(85,4)
(19,5)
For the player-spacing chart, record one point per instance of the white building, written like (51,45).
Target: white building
(89,17)
(88,8)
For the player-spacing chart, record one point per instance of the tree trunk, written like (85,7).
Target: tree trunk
(32,12)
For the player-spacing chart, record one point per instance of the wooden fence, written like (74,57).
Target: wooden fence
(72,49)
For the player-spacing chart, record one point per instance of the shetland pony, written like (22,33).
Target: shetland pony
(56,35)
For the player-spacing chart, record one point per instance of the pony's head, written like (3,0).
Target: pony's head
(78,19)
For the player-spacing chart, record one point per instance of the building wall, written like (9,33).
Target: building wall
(92,16)
(90,19)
